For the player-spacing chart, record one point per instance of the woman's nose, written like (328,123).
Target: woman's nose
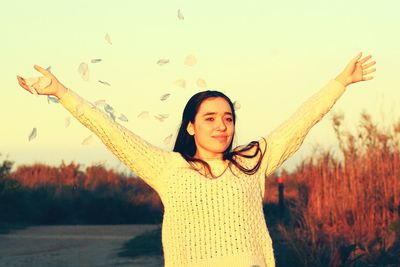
(221,125)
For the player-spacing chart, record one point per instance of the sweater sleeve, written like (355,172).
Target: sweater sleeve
(281,143)
(144,159)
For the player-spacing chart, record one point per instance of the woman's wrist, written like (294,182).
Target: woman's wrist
(61,91)
(343,80)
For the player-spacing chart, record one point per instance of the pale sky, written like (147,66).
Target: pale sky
(268,56)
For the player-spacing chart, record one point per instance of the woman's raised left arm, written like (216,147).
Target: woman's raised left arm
(288,137)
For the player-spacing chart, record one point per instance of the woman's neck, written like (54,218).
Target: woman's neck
(217,157)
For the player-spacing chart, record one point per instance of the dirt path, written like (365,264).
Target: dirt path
(71,246)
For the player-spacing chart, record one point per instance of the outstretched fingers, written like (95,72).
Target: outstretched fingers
(42,70)
(365,59)
(366,72)
(356,58)
(366,66)
(367,78)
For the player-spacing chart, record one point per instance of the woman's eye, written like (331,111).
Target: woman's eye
(209,119)
(229,119)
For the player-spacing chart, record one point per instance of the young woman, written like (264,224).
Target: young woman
(212,194)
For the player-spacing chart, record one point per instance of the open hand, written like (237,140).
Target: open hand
(358,69)
(47,84)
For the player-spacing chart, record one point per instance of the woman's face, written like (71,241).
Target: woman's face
(213,128)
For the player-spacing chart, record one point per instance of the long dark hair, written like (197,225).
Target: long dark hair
(185,143)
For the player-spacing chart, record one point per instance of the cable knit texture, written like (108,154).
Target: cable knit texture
(208,222)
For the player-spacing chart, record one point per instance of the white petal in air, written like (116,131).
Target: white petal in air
(32,135)
(108,108)
(83,70)
(162,62)
(190,60)
(101,103)
(236,105)
(144,115)
(180,83)
(67,121)
(108,38)
(201,83)
(163,116)
(105,83)
(168,139)
(159,118)
(112,115)
(164,97)
(88,140)
(95,60)
(122,117)
(180,15)
(52,99)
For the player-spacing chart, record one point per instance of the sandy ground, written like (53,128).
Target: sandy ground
(72,246)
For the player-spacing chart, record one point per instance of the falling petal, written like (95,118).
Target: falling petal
(95,60)
(236,105)
(108,38)
(162,62)
(122,117)
(67,121)
(158,117)
(190,60)
(164,97)
(105,83)
(84,71)
(112,116)
(201,83)
(144,115)
(164,116)
(88,140)
(108,108)
(52,99)
(180,83)
(167,140)
(101,102)
(33,134)
(180,15)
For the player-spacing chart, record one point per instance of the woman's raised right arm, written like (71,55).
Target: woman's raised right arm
(144,159)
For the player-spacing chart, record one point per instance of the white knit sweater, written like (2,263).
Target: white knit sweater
(208,222)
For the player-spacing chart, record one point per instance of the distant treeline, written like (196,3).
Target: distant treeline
(41,194)
(338,211)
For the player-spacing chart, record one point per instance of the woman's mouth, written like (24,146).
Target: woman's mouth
(220,137)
